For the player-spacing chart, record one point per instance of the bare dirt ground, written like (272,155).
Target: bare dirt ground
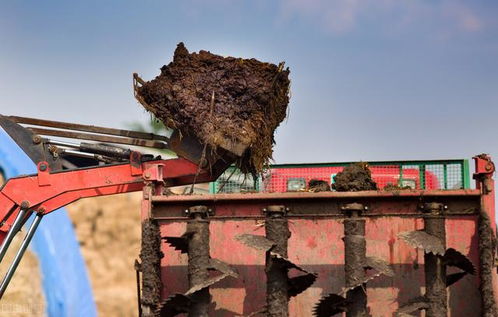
(108,229)
(24,296)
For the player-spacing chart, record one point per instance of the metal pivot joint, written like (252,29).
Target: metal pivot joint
(199,212)
(275,211)
(354,209)
(433,209)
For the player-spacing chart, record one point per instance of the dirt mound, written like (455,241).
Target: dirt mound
(24,296)
(393,188)
(221,101)
(317,185)
(109,232)
(353,178)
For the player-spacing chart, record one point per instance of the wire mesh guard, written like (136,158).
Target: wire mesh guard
(443,174)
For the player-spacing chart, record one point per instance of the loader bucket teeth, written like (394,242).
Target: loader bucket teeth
(206,283)
(424,241)
(299,284)
(174,305)
(413,305)
(379,265)
(179,243)
(330,305)
(453,278)
(222,267)
(454,258)
(255,242)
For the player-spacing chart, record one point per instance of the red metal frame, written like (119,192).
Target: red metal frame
(484,170)
(315,242)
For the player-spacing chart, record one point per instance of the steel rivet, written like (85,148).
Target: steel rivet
(36,139)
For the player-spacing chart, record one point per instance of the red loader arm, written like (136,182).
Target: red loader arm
(45,192)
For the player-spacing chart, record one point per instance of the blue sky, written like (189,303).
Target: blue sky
(371,79)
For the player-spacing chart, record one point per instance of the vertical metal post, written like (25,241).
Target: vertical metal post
(484,171)
(198,260)
(19,254)
(400,181)
(355,247)
(139,300)
(435,269)
(16,226)
(277,231)
(150,258)
(421,172)
(465,174)
(445,175)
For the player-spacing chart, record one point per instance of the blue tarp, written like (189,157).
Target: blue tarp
(65,281)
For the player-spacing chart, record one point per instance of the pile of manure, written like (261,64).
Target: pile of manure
(221,101)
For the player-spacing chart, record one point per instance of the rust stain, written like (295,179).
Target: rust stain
(311,243)
(391,242)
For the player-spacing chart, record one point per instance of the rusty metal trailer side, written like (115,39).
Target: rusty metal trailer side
(316,226)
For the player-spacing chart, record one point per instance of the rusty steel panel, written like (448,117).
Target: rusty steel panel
(316,245)
(323,204)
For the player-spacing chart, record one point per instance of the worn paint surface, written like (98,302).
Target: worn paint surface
(316,245)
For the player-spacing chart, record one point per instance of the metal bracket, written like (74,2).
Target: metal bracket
(484,165)
(200,211)
(353,209)
(433,208)
(276,210)
(136,163)
(43,174)
(484,169)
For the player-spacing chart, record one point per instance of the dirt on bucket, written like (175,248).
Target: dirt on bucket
(221,100)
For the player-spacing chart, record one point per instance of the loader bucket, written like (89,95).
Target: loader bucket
(186,145)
